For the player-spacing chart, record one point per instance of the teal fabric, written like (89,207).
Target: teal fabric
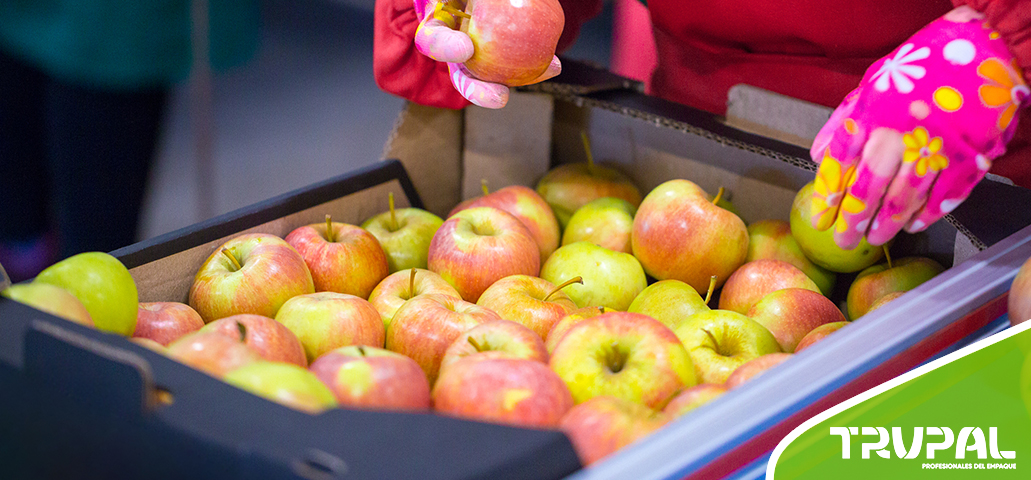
(123,43)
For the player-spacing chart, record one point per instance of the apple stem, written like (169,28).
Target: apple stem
(232,259)
(479,348)
(454,11)
(587,150)
(393,216)
(719,195)
(614,358)
(713,338)
(243,331)
(483,186)
(712,286)
(887,255)
(329,229)
(601,310)
(411,284)
(565,284)
(361,350)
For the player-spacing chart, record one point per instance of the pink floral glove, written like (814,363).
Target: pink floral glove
(910,143)
(438,38)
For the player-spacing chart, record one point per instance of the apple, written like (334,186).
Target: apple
(404,234)
(772,239)
(511,391)
(818,334)
(283,383)
(150,344)
(373,378)
(400,287)
(902,275)
(342,258)
(757,279)
(610,279)
(679,234)
(501,336)
(625,355)
(50,299)
(165,322)
(533,302)
(251,273)
(719,341)
(102,284)
(885,300)
(568,187)
(791,313)
(1019,302)
(602,425)
(754,368)
(479,246)
(526,205)
(324,321)
(693,398)
(669,302)
(513,42)
(605,222)
(271,339)
(819,246)
(568,321)
(212,352)
(425,326)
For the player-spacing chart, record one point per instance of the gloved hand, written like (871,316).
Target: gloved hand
(438,38)
(910,143)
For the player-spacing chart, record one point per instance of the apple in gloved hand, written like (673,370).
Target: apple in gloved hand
(514,42)
(51,299)
(820,247)
(404,234)
(102,284)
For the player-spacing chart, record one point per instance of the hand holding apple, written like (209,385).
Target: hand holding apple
(819,246)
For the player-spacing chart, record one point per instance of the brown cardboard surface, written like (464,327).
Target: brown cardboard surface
(510,146)
(428,141)
(773,115)
(170,278)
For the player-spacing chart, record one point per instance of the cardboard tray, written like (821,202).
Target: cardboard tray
(83,403)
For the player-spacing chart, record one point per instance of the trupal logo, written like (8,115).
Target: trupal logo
(930,440)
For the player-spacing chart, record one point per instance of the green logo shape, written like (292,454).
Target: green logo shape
(965,415)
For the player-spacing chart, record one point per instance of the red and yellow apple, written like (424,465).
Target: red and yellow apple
(903,275)
(400,287)
(503,336)
(568,187)
(759,278)
(606,222)
(373,378)
(342,258)
(568,321)
(602,425)
(271,339)
(283,383)
(790,314)
(1019,302)
(669,302)
(610,279)
(252,273)
(819,246)
(693,397)
(719,341)
(772,239)
(754,368)
(530,301)
(324,321)
(404,234)
(212,352)
(50,299)
(680,234)
(526,205)
(513,42)
(165,322)
(818,333)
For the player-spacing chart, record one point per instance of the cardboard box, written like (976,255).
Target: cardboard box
(95,400)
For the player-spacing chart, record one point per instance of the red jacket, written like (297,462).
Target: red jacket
(814,50)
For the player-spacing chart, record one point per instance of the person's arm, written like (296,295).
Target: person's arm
(401,69)
(1012,20)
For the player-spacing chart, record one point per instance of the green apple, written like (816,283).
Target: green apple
(669,302)
(680,234)
(51,299)
(625,355)
(877,281)
(606,222)
(719,341)
(568,187)
(283,383)
(772,239)
(610,279)
(820,247)
(404,234)
(102,284)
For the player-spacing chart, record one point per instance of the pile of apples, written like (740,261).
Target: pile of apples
(579,305)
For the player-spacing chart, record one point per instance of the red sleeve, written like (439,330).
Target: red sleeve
(1012,19)
(399,68)
(576,12)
